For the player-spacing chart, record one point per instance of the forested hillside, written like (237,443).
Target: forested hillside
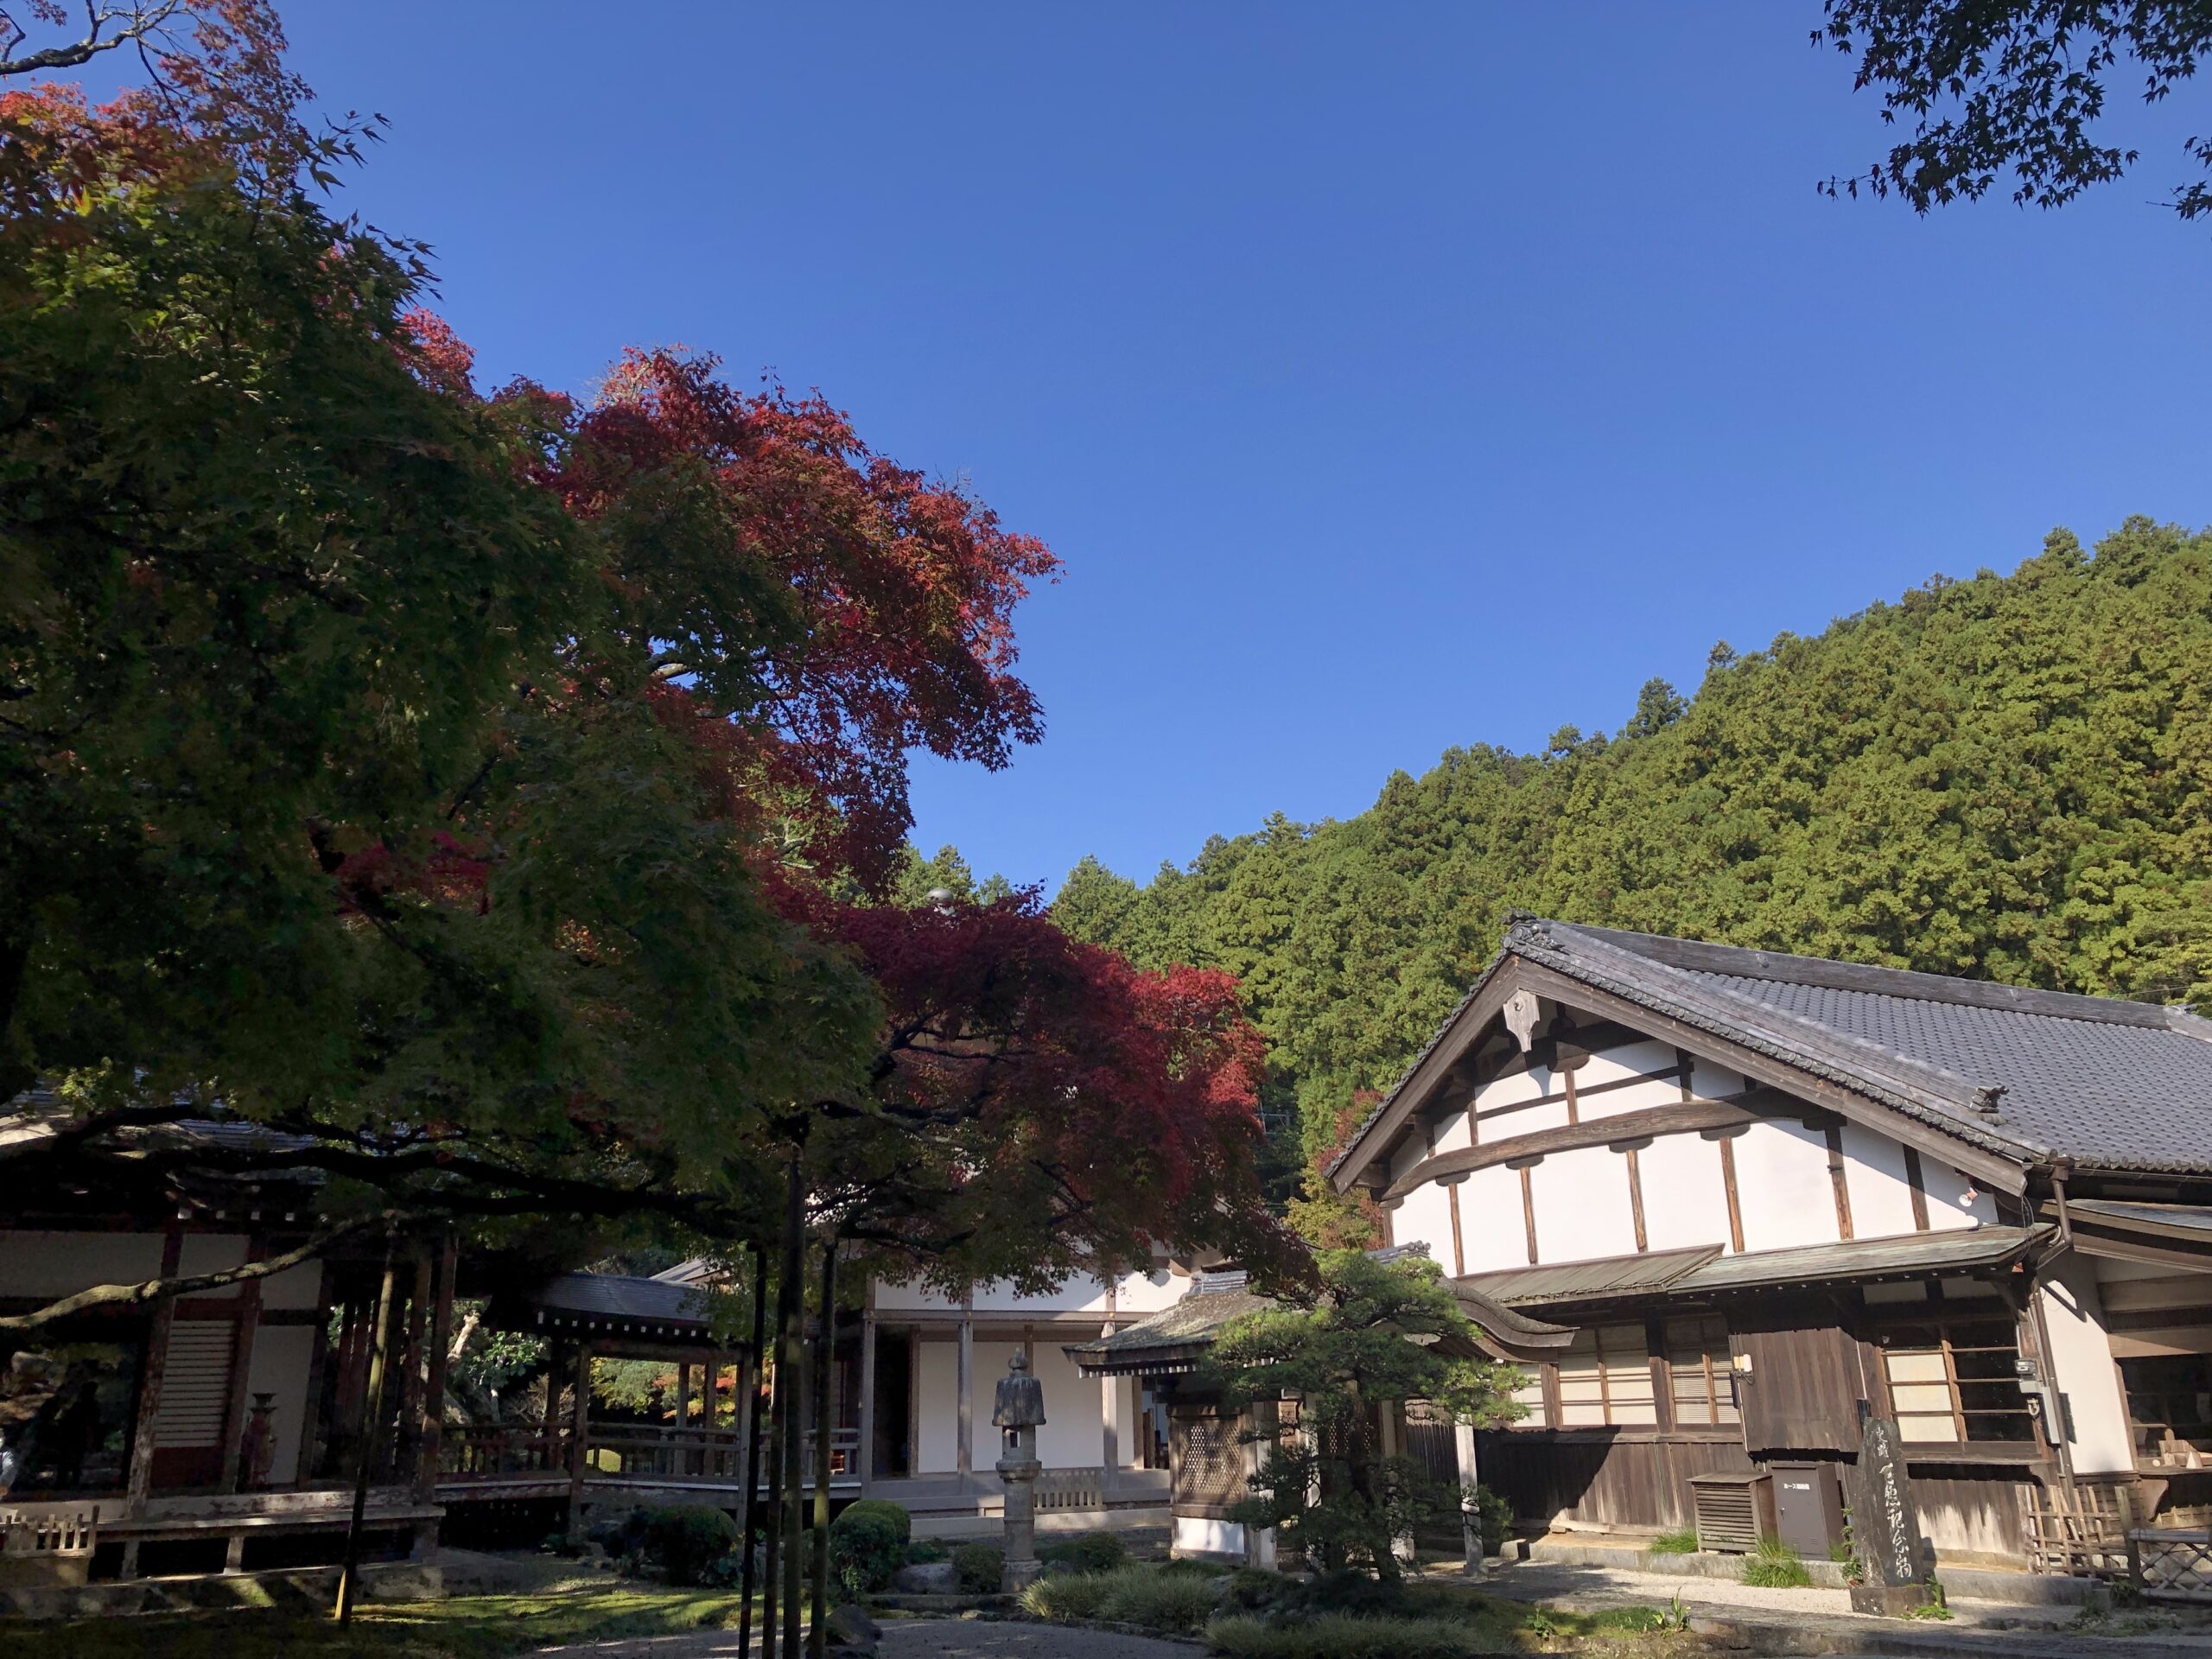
(2006,776)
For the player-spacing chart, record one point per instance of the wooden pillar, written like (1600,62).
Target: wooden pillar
(864,1458)
(140,1480)
(1109,1403)
(681,1462)
(964,1453)
(406,1452)
(579,1430)
(429,1441)
(311,1422)
(234,1408)
(1266,1425)
(915,1400)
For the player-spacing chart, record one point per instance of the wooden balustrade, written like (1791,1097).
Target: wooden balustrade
(483,1451)
(623,1451)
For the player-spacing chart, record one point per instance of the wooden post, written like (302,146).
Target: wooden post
(311,1422)
(365,1450)
(1470,1530)
(865,1462)
(407,1453)
(234,1408)
(429,1439)
(964,1443)
(140,1481)
(681,1461)
(580,1431)
(790,1376)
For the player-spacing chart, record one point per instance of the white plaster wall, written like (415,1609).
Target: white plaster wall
(1490,1225)
(2097,1433)
(1782,1186)
(1582,1206)
(990,1365)
(1139,1293)
(211,1253)
(1194,1536)
(295,1288)
(1425,1217)
(1685,1199)
(281,1357)
(1709,1080)
(1074,1430)
(937,1386)
(1874,1174)
(1946,1187)
(1452,1133)
(61,1264)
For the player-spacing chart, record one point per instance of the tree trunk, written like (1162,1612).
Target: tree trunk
(790,1370)
(824,1373)
(349,1571)
(748,1582)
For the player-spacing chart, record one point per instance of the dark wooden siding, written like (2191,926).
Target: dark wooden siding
(1802,1392)
(1596,1480)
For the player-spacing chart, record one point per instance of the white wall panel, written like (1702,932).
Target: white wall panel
(2083,1369)
(1685,1199)
(1881,1194)
(282,1354)
(1582,1206)
(938,1386)
(1491,1224)
(1949,1208)
(1074,1430)
(1782,1186)
(61,1264)
(1425,1219)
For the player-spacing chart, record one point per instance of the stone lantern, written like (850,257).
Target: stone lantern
(1017,1410)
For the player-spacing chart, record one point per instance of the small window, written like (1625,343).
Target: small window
(1955,1382)
(1700,1372)
(1604,1377)
(1531,1395)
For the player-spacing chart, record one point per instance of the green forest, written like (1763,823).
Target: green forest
(2006,777)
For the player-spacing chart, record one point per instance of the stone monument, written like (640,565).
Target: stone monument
(1017,1410)
(1885,1525)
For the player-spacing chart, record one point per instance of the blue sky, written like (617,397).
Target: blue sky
(1388,378)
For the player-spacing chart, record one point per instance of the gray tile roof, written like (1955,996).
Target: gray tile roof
(1612,1276)
(2027,1074)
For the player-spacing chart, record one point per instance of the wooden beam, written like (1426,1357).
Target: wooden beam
(1635,1200)
(1597,1132)
(1836,1180)
(1918,1182)
(1735,1204)
(1528,1213)
(1458,1244)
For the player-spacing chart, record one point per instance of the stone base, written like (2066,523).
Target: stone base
(1889,1600)
(1019,1575)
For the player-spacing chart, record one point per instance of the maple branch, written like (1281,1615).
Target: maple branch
(160,1290)
(31,1142)
(142,24)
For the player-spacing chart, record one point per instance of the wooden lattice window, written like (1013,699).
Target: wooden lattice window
(1208,1462)
(2170,1405)
(1954,1381)
(1604,1377)
(1700,1372)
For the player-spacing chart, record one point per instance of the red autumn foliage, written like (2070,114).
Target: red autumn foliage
(1031,1081)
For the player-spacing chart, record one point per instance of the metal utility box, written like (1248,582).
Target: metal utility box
(1733,1512)
(1807,1507)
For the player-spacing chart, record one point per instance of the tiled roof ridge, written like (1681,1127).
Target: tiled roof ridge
(1921,1089)
(1701,956)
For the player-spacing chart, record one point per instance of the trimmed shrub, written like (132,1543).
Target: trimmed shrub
(1094,1552)
(1178,1603)
(1774,1565)
(1066,1599)
(867,1544)
(922,1551)
(1172,1603)
(691,1541)
(982,1567)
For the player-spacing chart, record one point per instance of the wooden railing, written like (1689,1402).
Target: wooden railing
(482,1453)
(625,1451)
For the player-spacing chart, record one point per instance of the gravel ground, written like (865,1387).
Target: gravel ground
(1549,1580)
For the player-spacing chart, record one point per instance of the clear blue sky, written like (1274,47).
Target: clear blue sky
(1389,377)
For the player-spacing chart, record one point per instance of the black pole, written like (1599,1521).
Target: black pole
(349,1574)
(772,1540)
(753,1447)
(791,1360)
(824,1371)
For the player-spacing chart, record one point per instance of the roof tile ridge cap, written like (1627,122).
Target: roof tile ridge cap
(2184,1019)
(1917,984)
(1719,1003)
